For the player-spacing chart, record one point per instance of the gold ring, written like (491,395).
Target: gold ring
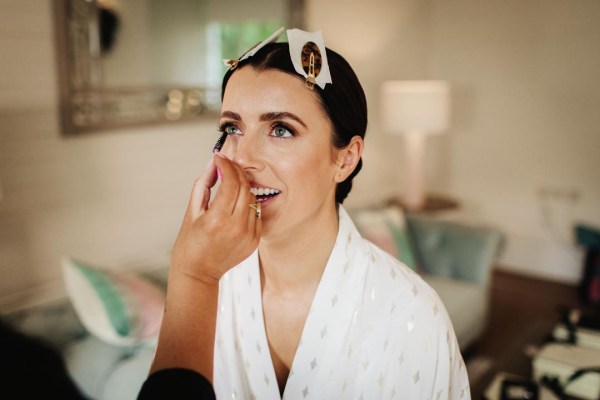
(257,209)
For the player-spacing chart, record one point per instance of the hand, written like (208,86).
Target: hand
(214,238)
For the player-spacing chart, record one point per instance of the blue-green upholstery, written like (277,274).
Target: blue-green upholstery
(455,250)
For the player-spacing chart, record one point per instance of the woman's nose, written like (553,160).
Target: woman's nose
(247,152)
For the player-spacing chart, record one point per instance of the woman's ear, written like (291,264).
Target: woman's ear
(348,157)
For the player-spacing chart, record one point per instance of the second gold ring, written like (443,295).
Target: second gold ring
(257,209)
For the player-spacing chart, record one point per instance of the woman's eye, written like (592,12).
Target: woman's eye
(231,130)
(281,131)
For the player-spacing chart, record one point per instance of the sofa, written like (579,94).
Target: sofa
(454,258)
(457,260)
(101,370)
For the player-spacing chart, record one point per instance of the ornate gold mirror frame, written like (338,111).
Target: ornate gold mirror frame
(88,105)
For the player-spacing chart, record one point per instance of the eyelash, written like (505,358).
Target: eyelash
(223,128)
(284,126)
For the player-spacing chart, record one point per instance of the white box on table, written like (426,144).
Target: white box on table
(561,360)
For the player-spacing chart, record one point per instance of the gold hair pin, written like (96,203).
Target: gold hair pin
(311,63)
(231,63)
(309,56)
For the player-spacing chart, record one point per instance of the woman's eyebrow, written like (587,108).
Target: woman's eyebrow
(272,116)
(231,115)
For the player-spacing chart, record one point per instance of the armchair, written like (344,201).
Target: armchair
(457,260)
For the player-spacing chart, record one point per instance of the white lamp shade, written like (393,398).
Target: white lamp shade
(415,106)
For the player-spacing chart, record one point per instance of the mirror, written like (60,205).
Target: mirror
(133,62)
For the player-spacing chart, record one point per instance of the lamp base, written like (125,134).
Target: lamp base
(415,143)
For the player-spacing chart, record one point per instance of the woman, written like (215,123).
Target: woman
(311,310)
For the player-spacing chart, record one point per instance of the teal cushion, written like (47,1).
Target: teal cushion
(455,250)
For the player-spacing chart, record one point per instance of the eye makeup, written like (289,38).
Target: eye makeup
(279,129)
(228,128)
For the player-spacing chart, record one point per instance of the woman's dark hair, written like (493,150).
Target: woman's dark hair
(342,101)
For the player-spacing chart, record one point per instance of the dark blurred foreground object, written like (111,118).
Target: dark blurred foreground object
(518,389)
(32,369)
(589,238)
(176,383)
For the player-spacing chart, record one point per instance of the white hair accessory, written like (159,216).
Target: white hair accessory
(308,54)
(253,50)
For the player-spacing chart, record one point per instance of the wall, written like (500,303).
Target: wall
(526,93)
(522,152)
(114,198)
(381,39)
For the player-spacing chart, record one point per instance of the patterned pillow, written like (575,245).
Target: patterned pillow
(386,228)
(119,308)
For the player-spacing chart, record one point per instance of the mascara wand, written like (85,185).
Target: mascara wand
(217,148)
(220,143)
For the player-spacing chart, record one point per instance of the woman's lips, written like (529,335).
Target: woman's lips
(264,195)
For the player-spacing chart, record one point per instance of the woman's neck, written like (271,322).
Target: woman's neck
(296,260)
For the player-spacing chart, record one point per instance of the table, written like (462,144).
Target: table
(433,203)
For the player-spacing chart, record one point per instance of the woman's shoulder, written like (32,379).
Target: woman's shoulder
(401,284)
(408,315)
(384,265)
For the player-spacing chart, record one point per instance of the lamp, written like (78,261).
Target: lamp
(414,109)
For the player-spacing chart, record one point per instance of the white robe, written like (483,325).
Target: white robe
(375,330)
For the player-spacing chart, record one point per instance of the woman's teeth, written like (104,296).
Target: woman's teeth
(264,192)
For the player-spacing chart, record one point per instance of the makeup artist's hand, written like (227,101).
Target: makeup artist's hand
(214,239)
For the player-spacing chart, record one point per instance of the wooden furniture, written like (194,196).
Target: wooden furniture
(433,203)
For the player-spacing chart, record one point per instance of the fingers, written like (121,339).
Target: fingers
(232,199)
(235,191)
(234,186)
(201,191)
(245,197)
(223,234)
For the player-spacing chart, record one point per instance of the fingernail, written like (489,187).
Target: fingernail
(219,174)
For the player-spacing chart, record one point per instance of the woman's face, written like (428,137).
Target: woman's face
(281,137)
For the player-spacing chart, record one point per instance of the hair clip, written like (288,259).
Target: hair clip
(308,53)
(232,64)
(311,63)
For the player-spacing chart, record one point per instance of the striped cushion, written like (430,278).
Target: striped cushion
(118,308)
